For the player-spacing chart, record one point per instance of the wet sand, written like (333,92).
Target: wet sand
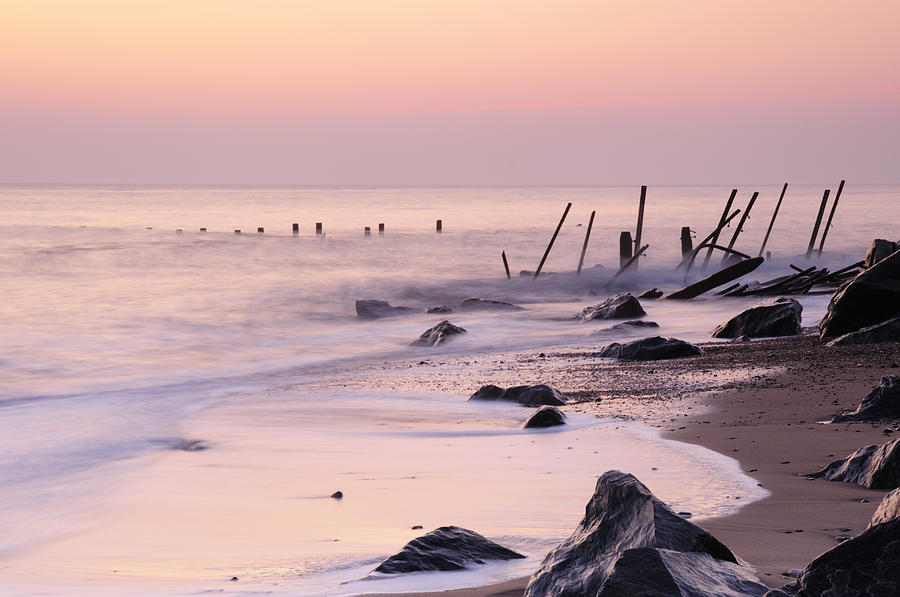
(769,421)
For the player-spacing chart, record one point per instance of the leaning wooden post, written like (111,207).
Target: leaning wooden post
(772,221)
(628,263)
(625,247)
(295,228)
(505,264)
(439,226)
(640,221)
(687,244)
(815,233)
(721,225)
(318,228)
(740,226)
(537,272)
(837,198)
(587,236)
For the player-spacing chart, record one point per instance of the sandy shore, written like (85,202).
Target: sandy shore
(769,422)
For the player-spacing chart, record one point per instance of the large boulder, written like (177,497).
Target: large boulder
(770,318)
(485,304)
(444,549)
(888,509)
(372,309)
(878,250)
(883,402)
(630,543)
(886,331)
(620,306)
(545,416)
(875,467)
(864,566)
(533,396)
(871,297)
(655,348)
(438,334)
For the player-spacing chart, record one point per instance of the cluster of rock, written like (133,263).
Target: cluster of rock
(538,395)
(771,318)
(445,549)
(369,309)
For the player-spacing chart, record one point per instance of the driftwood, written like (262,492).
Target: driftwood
(537,272)
(804,281)
(723,276)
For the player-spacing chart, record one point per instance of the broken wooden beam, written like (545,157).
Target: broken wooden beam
(723,276)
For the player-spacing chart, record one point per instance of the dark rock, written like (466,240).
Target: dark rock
(438,334)
(871,297)
(446,548)
(650,349)
(883,402)
(875,467)
(441,309)
(620,306)
(187,445)
(633,324)
(878,250)
(653,293)
(630,543)
(545,416)
(772,317)
(538,395)
(886,331)
(337,495)
(372,309)
(416,527)
(864,566)
(477,303)
(888,509)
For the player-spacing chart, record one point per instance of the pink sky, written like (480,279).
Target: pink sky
(449,92)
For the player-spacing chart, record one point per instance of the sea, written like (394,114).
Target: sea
(178,401)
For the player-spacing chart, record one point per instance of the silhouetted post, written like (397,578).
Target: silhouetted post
(628,263)
(687,244)
(721,225)
(740,226)
(812,239)
(587,236)
(640,221)
(625,246)
(537,272)
(439,226)
(203,230)
(295,228)
(367,231)
(318,228)
(179,231)
(505,264)
(237,230)
(381,228)
(772,222)
(837,198)
(260,230)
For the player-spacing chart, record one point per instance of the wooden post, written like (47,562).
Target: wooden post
(367,231)
(721,225)
(837,198)
(772,221)
(815,233)
(687,244)
(740,226)
(640,221)
(689,261)
(625,246)
(237,230)
(179,231)
(318,228)
(439,226)
(381,228)
(537,272)
(295,228)
(587,236)
(505,264)
(260,230)
(203,230)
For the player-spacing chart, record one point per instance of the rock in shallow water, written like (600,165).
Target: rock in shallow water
(538,395)
(372,309)
(620,306)
(630,543)
(446,548)
(655,348)
(871,297)
(479,303)
(770,318)
(438,334)
(545,416)
(883,402)
(875,467)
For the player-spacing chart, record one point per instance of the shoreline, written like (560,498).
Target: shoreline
(770,424)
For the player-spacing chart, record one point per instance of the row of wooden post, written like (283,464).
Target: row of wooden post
(295,229)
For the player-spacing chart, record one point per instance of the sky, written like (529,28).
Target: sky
(456,92)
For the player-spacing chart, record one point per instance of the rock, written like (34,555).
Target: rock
(630,543)
(538,395)
(620,306)
(477,303)
(878,250)
(653,293)
(864,566)
(875,467)
(871,297)
(446,548)
(650,349)
(440,309)
(883,402)
(772,317)
(888,509)
(372,309)
(545,416)
(337,495)
(886,331)
(438,334)
(633,324)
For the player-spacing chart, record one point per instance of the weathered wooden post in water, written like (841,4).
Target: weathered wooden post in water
(687,244)
(381,228)
(837,198)
(772,221)
(260,230)
(295,228)
(715,237)
(625,246)
(237,230)
(740,226)
(318,228)
(640,221)
(815,233)
(203,230)
(537,272)
(587,236)
(439,226)
(505,264)
(367,231)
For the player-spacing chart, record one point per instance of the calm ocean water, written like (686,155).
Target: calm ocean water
(121,334)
